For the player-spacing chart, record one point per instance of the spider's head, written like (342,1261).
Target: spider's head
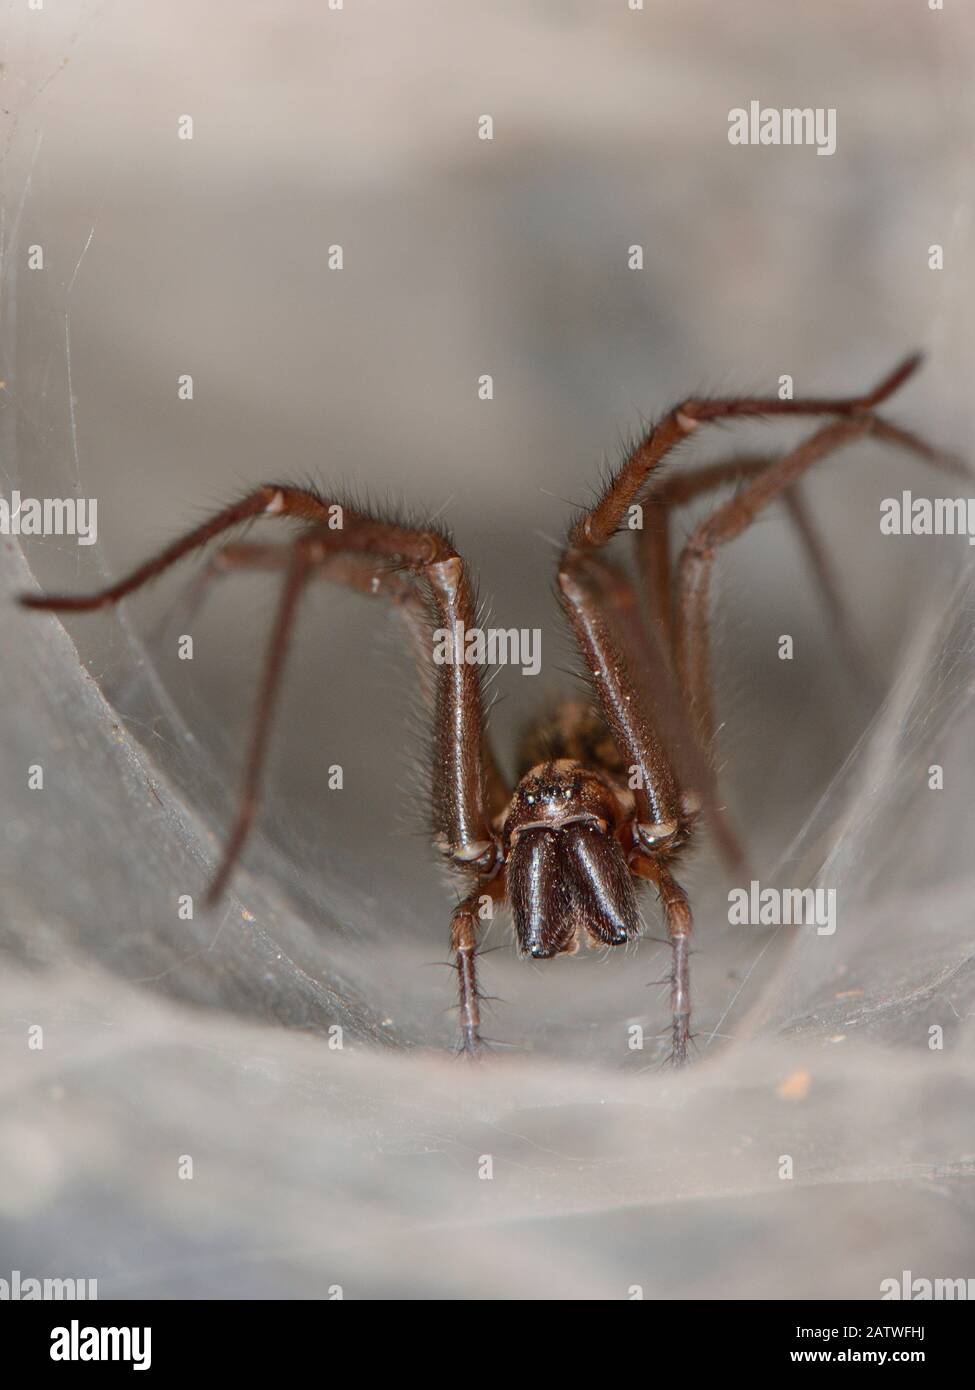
(566,870)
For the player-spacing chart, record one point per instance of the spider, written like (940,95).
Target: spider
(609,793)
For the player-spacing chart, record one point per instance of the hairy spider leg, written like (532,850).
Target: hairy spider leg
(459,795)
(623,705)
(677,489)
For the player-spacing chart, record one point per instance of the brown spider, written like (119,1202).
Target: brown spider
(606,795)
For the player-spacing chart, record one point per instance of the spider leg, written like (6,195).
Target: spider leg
(363,575)
(460,814)
(734,516)
(654,558)
(356,572)
(723,525)
(602,607)
(372,580)
(836,609)
(301,558)
(267,500)
(905,439)
(295,580)
(235,555)
(461,766)
(626,705)
(653,563)
(677,915)
(679,923)
(596,527)
(463,943)
(653,539)
(583,583)
(601,522)
(642,685)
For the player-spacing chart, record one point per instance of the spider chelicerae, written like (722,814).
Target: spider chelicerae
(609,792)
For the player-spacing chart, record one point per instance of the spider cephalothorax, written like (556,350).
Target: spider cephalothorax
(607,796)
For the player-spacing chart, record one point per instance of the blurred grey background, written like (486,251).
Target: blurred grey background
(209,256)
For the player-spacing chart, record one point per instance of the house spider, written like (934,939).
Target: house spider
(609,794)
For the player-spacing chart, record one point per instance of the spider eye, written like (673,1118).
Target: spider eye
(530,799)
